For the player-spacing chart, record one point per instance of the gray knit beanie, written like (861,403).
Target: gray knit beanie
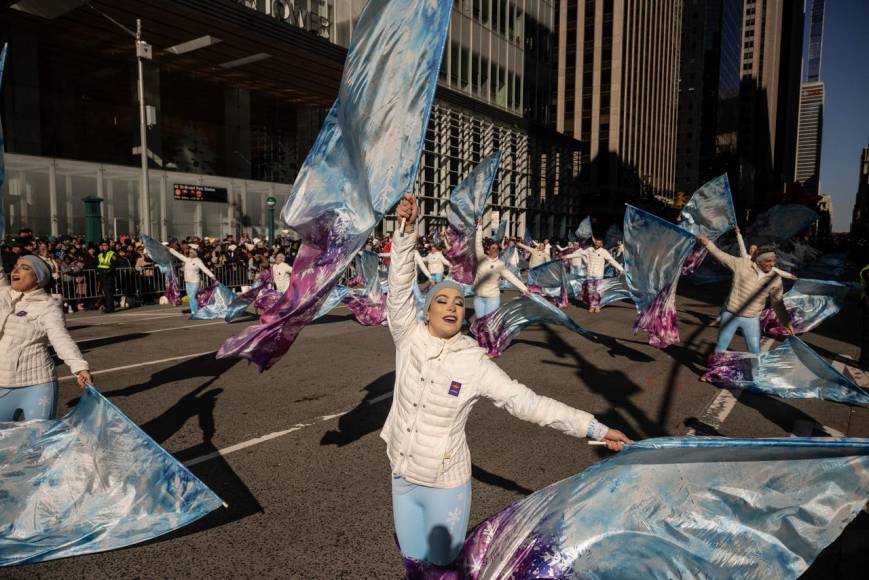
(440,286)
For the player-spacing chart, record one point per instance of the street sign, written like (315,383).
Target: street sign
(200,193)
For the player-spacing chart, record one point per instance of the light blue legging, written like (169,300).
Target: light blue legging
(437,277)
(430,522)
(28,403)
(750,331)
(192,290)
(483,305)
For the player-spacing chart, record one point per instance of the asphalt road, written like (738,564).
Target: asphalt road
(313,501)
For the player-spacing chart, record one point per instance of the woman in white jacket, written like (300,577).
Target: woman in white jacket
(440,374)
(436,263)
(30,321)
(192,266)
(490,270)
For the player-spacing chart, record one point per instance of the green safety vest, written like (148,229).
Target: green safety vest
(105,260)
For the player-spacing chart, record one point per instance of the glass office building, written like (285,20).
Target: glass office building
(239,89)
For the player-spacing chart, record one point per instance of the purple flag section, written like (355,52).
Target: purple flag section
(364,159)
(262,281)
(496,331)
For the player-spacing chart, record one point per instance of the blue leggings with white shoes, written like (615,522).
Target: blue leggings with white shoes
(430,522)
(730,323)
(28,403)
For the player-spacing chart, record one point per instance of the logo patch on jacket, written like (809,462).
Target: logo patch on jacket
(21,313)
(455,387)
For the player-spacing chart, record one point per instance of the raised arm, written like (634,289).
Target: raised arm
(726,259)
(400,303)
(478,243)
(524,247)
(420,263)
(743,252)
(178,255)
(577,254)
(784,274)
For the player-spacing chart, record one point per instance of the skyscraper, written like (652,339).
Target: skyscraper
(772,32)
(618,74)
(808,158)
(860,217)
(708,91)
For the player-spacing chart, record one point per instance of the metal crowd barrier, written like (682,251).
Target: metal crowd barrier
(143,286)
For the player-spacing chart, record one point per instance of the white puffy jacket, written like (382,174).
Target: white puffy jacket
(29,323)
(437,383)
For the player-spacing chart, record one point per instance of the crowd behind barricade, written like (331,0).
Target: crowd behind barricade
(80,280)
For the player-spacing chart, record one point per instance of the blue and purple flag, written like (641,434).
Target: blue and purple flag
(467,205)
(218,304)
(364,159)
(551,280)
(780,223)
(791,370)
(809,303)
(368,303)
(655,250)
(241,302)
(496,330)
(709,213)
(677,507)
(163,259)
(89,482)
(584,234)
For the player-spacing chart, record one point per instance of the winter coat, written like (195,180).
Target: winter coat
(29,323)
(437,382)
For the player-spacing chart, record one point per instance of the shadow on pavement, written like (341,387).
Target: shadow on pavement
(614,386)
(368,416)
(495,480)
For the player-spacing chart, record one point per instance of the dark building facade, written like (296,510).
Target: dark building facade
(239,89)
(811,122)
(709,91)
(860,216)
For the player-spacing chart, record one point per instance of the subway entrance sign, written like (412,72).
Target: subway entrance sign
(200,193)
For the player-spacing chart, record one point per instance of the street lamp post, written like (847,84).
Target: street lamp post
(143,51)
(270,212)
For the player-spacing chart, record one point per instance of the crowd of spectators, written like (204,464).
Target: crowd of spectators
(74,263)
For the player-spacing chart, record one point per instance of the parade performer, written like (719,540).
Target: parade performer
(595,259)
(281,272)
(440,374)
(537,256)
(436,263)
(30,321)
(490,270)
(753,281)
(421,264)
(192,267)
(106,262)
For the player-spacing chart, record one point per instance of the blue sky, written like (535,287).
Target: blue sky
(845,72)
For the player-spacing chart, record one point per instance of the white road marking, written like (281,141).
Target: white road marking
(724,402)
(805,428)
(108,322)
(151,331)
(262,439)
(142,364)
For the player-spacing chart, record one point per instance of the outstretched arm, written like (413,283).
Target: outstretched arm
(178,255)
(400,304)
(509,276)
(609,258)
(201,265)
(525,404)
(784,274)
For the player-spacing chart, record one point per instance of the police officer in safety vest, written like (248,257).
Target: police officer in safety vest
(106,261)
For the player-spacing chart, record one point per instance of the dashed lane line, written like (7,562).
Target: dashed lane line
(151,331)
(262,439)
(143,364)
